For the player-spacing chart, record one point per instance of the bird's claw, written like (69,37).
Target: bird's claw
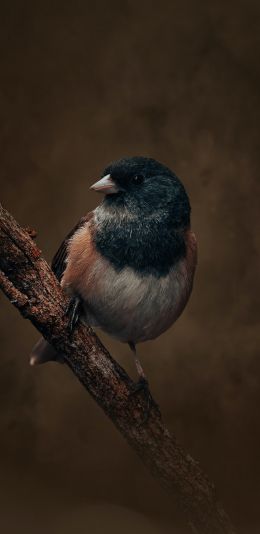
(73,312)
(143,386)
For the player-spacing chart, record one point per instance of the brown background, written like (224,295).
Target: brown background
(83,83)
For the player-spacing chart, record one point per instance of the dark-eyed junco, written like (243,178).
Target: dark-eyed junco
(128,266)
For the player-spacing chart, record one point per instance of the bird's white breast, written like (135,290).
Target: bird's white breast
(132,307)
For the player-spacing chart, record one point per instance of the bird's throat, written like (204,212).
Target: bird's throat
(148,244)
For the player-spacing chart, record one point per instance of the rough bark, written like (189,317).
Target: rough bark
(29,283)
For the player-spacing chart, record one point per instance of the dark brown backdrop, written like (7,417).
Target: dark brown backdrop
(83,83)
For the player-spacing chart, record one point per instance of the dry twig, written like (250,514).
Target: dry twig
(29,283)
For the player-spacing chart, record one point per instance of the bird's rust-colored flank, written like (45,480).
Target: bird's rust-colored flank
(81,255)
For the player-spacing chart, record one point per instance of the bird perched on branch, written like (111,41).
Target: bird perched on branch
(128,266)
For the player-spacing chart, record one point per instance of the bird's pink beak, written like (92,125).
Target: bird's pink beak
(106,185)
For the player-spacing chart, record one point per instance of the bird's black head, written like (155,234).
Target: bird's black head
(145,186)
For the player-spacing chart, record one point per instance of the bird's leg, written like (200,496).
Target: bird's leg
(138,365)
(142,384)
(73,311)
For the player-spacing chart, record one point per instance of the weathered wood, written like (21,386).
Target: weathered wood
(29,283)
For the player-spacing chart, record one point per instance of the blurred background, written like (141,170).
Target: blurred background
(81,84)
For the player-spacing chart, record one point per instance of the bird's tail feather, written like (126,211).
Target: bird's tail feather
(43,352)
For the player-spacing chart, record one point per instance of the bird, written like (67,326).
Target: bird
(128,266)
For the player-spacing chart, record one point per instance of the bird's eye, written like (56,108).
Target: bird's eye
(138,179)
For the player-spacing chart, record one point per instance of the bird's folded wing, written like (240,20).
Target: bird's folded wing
(58,264)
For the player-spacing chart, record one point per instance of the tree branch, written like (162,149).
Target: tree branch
(30,285)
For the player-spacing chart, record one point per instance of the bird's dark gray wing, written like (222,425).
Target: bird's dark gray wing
(58,264)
